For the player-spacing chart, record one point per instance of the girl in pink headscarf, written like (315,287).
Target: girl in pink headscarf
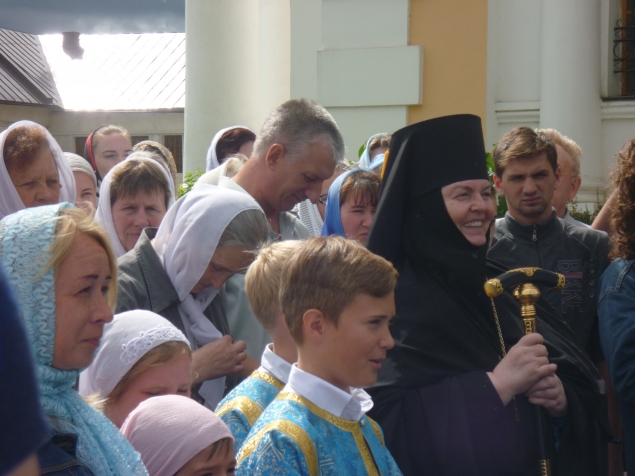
(177,436)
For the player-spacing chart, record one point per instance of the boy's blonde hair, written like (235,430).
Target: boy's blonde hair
(326,273)
(262,281)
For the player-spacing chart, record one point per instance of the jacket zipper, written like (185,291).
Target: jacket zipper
(534,236)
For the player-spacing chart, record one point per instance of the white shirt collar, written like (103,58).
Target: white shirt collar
(350,406)
(275,365)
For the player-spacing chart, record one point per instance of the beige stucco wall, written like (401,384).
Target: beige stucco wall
(453,34)
(10,113)
(66,125)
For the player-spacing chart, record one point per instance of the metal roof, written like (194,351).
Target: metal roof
(25,76)
(120,72)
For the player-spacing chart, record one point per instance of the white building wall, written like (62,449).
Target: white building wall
(367,75)
(245,57)
(538,54)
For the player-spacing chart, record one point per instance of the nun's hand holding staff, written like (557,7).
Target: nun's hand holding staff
(219,358)
(548,391)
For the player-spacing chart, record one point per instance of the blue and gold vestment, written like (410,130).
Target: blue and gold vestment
(243,405)
(295,436)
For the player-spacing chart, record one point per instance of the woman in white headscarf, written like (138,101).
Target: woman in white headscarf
(377,144)
(85,181)
(229,141)
(33,169)
(141,355)
(179,272)
(135,194)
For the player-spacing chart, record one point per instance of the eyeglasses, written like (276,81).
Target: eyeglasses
(322,198)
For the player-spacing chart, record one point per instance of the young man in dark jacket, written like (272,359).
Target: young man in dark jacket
(531,235)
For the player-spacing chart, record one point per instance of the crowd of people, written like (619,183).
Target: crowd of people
(298,313)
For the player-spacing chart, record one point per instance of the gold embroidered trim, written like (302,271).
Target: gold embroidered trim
(351,426)
(267,377)
(244,405)
(294,432)
(375,426)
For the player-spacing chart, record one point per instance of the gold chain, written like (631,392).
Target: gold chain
(498,328)
(500,337)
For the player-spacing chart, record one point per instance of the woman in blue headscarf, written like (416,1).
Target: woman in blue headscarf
(351,204)
(63,271)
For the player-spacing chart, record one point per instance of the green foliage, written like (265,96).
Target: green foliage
(501,203)
(189,180)
(361,151)
(587,216)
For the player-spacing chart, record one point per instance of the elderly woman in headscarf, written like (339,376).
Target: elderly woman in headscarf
(351,205)
(179,272)
(135,194)
(85,181)
(227,142)
(63,271)
(33,169)
(178,437)
(455,394)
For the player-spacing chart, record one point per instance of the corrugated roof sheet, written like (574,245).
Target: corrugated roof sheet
(25,76)
(120,72)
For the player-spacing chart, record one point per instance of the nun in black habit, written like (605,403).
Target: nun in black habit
(453,396)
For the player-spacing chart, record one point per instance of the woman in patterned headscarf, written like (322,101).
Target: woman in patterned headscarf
(63,271)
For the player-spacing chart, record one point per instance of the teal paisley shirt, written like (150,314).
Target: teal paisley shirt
(243,405)
(295,436)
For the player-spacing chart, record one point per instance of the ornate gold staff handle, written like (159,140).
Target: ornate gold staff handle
(527,294)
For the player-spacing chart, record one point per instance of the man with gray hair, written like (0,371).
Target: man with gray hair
(568,153)
(296,150)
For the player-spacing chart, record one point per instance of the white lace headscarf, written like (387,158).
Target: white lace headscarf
(130,336)
(10,201)
(212,161)
(104,209)
(185,243)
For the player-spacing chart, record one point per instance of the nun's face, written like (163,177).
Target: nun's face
(37,184)
(110,150)
(226,261)
(470,205)
(86,191)
(81,308)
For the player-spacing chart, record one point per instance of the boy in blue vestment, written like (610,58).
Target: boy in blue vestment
(243,406)
(338,300)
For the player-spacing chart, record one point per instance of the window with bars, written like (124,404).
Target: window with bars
(136,139)
(624,47)
(80,142)
(175,145)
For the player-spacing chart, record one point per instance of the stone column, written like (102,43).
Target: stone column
(222,85)
(570,99)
